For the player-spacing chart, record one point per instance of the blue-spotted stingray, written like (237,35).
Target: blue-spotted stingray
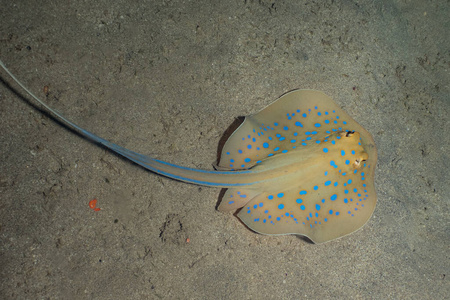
(300,166)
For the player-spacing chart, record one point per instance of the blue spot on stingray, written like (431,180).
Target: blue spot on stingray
(266,211)
(345,123)
(317,207)
(275,124)
(280,195)
(334,197)
(330,212)
(303,192)
(316,188)
(247,160)
(345,200)
(333,142)
(347,162)
(249,146)
(302,207)
(298,124)
(325,219)
(342,152)
(337,213)
(261,204)
(286,128)
(299,201)
(266,145)
(319,113)
(228,153)
(284,151)
(333,164)
(326,121)
(230,202)
(325,150)
(349,181)
(278,219)
(232,160)
(326,173)
(270,197)
(243,196)
(240,151)
(336,183)
(353,152)
(304,115)
(327,183)
(317,125)
(282,138)
(293,141)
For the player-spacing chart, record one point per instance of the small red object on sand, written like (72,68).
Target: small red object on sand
(93,204)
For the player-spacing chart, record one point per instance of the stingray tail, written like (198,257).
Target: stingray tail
(190,175)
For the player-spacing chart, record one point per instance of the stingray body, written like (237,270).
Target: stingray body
(300,166)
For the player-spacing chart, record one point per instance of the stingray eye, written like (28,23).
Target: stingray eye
(358,161)
(349,133)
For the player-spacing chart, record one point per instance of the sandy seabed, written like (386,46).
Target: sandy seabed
(167,78)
